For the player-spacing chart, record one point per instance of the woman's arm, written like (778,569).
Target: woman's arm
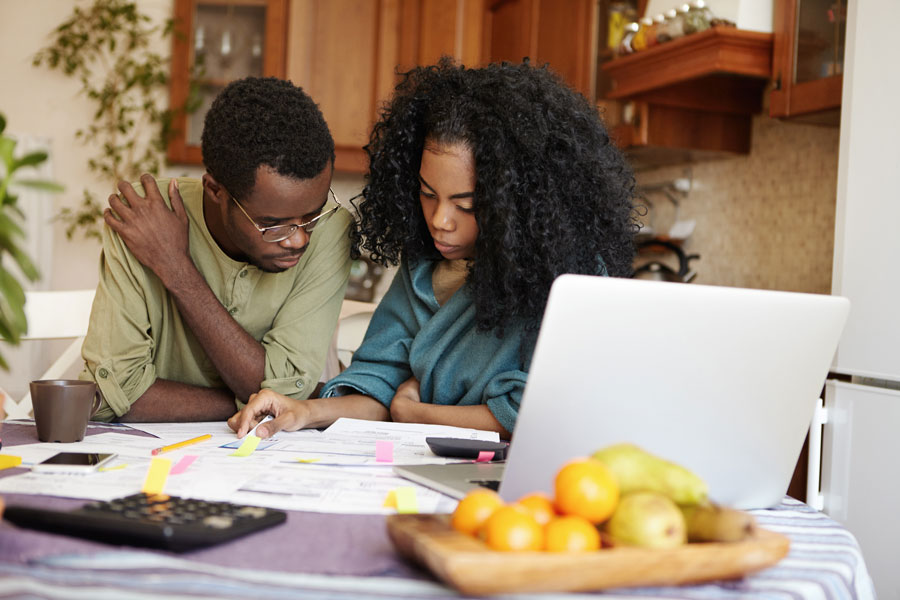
(291,415)
(407,407)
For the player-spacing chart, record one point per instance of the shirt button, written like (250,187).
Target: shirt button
(299,384)
(103,373)
(244,273)
(232,310)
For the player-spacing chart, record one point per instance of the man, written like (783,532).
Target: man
(222,286)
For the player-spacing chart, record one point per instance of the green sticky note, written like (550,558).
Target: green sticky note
(406,500)
(115,468)
(247,448)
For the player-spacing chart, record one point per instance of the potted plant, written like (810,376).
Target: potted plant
(12,296)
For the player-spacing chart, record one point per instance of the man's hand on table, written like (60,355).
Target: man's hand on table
(289,414)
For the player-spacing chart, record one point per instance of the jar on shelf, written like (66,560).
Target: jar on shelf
(616,22)
(672,27)
(652,35)
(639,42)
(698,18)
(625,46)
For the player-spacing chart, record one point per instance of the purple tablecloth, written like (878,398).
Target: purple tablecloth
(335,556)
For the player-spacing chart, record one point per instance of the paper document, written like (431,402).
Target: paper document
(334,490)
(176,432)
(353,442)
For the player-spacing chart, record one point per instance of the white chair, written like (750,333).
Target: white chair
(352,325)
(51,316)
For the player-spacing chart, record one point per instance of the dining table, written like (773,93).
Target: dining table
(319,555)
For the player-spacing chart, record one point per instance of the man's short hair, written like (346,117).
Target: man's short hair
(264,121)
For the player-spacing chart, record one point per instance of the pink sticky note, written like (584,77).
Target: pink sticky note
(384,451)
(485,456)
(182,465)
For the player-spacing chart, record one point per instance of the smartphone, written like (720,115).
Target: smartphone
(73,462)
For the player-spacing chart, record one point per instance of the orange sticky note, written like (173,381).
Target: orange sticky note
(247,447)
(390,501)
(156,476)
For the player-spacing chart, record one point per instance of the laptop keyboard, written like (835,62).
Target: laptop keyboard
(491,484)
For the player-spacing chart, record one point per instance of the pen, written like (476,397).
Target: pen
(181,444)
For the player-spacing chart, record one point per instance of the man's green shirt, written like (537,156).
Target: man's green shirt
(137,335)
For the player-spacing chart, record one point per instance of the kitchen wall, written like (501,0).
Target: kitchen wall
(765,220)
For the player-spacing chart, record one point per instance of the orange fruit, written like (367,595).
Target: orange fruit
(474,509)
(512,528)
(571,534)
(539,505)
(586,488)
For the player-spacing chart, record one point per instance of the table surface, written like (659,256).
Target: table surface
(319,555)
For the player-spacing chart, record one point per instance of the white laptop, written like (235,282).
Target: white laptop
(721,380)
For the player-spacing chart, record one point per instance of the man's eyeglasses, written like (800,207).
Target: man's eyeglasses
(278,233)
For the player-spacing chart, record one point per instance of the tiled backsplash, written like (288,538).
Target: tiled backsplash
(765,220)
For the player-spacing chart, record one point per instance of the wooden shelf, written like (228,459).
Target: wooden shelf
(723,55)
(692,98)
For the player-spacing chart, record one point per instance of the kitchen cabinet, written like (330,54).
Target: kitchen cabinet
(808,60)
(563,34)
(346,54)
(692,98)
(215,42)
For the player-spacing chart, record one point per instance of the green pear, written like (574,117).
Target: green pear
(636,469)
(647,520)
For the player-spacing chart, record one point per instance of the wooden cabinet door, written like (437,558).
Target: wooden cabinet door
(343,53)
(562,33)
(346,55)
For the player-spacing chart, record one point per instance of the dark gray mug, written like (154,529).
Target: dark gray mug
(63,407)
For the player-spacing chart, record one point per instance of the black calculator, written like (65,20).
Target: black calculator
(155,521)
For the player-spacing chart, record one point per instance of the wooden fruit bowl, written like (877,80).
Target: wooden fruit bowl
(472,568)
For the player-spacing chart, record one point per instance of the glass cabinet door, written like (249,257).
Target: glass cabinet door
(809,59)
(216,42)
(819,44)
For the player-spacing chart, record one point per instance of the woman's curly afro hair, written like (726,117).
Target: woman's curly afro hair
(259,121)
(553,195)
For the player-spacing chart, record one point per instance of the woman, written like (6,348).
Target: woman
(484,185)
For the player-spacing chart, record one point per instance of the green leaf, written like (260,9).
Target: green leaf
(40,184)
(30,160)
(2,123)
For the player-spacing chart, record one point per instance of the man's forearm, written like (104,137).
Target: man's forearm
(239,359)
(168,401)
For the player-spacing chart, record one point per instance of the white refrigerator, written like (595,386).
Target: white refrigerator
(860,478)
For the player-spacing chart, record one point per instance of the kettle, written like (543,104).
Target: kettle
(658,271)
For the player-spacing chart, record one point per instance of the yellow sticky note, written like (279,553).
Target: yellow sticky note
(406,500)
(115,468)
(390,501)
(8,461)
(308,460)
(156,476)
(247,448)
